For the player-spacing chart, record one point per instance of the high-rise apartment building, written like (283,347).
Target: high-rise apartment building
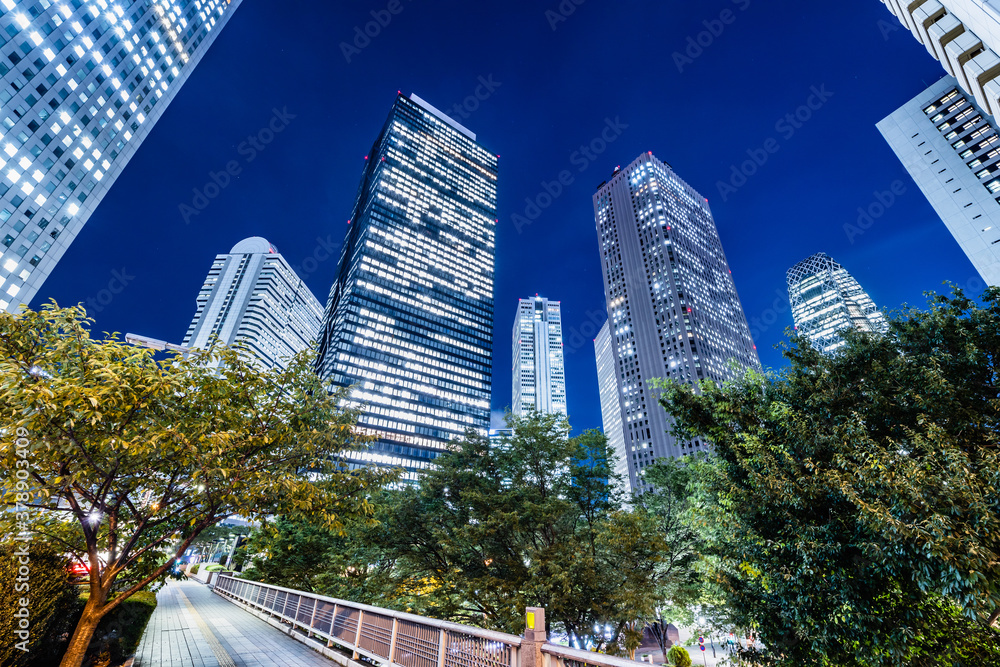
(538,373)
(81,85)
(611,408)
(964,35)
(253,298)
(409,320)
(951,149)
(826,300)
(673,311)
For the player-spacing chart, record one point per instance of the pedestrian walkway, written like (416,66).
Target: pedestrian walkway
(193,627)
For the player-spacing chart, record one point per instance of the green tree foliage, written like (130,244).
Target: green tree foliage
(678,656)
(129,456)
(857,517)
(490,530)
(46,588)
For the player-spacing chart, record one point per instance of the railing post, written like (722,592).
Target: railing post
(357,636)
(312,617)
(530,654)
(442,648)
(392,641)
(333,625)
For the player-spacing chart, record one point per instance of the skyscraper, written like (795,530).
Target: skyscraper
(964,35)
(538,374)
(826,300)
(673,310)
(253,297)
(951,149)
(81,85)
(409,320)
(611,409)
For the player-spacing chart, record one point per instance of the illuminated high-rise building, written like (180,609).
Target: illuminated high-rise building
(951,148)
(826,300)
(611,407)
(409,320)
(964,35)
(673,311)
(81,86)
(252,298)
(538,373)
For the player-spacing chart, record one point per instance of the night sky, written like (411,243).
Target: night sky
(555,82)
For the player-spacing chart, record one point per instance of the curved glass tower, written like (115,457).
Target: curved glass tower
(826,299)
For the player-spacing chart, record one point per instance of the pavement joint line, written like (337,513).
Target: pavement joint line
(220,653)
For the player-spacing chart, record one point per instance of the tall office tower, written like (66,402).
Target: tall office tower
(965,36)
(409,320)
(952,151)
(826,299)
(253,297)
(538,374)
(81,85)
(611,407)
(673,310)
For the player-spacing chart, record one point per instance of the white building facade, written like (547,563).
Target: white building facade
(826,300)
(81,86)
(673,310)
(253,298)
(538,373)
(964,35)
(610,390)
(951,149)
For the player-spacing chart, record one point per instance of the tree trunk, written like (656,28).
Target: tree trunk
(84,631)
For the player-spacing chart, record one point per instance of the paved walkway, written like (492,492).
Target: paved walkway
(193,627)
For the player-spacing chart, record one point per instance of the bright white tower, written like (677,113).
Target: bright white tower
(538,374)
(253,297)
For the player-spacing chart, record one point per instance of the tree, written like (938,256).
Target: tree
(679,656)
(857,512)
(124,455)
(490,530)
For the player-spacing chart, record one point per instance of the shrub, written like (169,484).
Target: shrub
(678,656)
(215,567)
(194,570)
(115,639)
(48,592)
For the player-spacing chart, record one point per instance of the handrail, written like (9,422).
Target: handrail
(589,657)
(384,635)
(492,635)
(400,639)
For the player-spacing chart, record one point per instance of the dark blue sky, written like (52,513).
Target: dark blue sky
(555,90)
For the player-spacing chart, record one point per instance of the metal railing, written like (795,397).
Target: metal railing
(554,655)
(384,636)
